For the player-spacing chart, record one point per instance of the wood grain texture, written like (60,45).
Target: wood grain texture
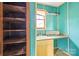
(1,28)
(16,40)
(10,19)
(14,8)
(45,48)
(27,28)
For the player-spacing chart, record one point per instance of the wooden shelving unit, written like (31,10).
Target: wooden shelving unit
(12,9)
(14,22)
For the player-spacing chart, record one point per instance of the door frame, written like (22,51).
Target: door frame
(27,29)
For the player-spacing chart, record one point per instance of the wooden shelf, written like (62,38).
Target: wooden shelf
(13,52)
(13,30)
(8,19)
(12,41)
(14,23)
(14,8)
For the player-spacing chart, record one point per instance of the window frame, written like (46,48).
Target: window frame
(41,19)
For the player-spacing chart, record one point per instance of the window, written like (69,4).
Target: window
(40,19)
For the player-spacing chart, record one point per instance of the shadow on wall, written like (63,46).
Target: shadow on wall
(61,43)
(73,49)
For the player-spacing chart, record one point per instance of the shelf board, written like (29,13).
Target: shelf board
(13,52)
(12,41)
(14,8)
(14,30)
(9,19)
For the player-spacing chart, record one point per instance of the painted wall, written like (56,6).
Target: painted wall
(62,18)
(51,22)
(32,28)
(73,18)
(50,9)
(74,28)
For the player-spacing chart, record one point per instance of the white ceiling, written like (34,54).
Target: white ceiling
(55,4)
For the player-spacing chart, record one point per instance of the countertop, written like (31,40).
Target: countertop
(50,37)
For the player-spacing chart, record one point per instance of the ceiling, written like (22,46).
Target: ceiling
(55,4)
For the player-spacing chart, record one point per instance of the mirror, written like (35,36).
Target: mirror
(51,21)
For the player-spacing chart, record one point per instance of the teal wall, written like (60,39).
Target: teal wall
(50,9)
(32,28)
(74,27)
(62,27)
(51,22)
(73,18)
(63,18)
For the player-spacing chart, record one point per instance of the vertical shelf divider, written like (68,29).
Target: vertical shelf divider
(1,28)
(28,29)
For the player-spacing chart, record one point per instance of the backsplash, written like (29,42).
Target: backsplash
(47,32)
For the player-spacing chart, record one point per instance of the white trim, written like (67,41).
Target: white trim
(68,23)
(57,21)
(35,31)
(52,14)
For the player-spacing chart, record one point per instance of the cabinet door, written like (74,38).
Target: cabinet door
(50,47)
(45,47)
(41,50)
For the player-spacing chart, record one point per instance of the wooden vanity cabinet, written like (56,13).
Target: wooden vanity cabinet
(45,47)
